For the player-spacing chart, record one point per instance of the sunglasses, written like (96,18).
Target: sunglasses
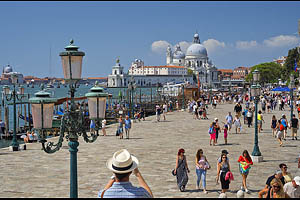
(276,186)
(224,157)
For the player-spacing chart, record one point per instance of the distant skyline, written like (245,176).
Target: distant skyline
(234,33)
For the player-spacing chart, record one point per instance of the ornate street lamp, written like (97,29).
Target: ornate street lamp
(292,85)
(14,95)
(131,88)
(183,104)
(73,121)
(255,92)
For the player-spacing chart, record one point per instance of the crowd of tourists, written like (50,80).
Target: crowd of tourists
(281,184)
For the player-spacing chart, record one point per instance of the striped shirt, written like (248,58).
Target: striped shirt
(124,190)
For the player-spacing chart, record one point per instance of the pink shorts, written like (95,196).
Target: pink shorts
(225,135)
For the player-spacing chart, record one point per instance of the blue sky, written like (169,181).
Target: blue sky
(234,33)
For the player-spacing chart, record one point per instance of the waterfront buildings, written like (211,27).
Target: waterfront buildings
(147,75)
(7,72)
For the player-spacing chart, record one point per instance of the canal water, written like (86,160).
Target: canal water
(63,92)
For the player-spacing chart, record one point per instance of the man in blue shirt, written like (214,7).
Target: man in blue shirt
(127,126)
(229,120)
(122,164)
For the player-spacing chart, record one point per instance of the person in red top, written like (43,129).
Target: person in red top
(245,163)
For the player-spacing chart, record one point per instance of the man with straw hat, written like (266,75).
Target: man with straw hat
(122,164)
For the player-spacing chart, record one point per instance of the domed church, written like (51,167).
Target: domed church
(196,59)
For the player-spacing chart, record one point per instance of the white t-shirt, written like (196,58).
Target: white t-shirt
(195,108)
(165,108)
(291,191)
(103,123)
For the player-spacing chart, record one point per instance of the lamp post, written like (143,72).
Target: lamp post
(255,92)
(183,104)
(131,88)
(292,85)
(14,96)
(73,121)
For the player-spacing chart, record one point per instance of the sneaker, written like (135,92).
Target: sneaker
(247,191)
(242,188)
(296,138)
(205,192)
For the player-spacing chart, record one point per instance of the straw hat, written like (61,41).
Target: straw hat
(122,162)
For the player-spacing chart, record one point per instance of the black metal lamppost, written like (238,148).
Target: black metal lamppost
(13,95)
(255,92)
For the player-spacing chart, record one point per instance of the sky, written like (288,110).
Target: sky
(234,33)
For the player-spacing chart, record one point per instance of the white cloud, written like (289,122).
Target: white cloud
(246,44)
(281,40)
(212,45)
(184,45)
(159,46)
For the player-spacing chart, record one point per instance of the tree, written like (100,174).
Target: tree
(189,71)
(289,65)
(269,72)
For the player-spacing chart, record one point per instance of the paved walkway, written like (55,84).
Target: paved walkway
(34,173)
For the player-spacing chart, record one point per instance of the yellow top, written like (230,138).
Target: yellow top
(259,117)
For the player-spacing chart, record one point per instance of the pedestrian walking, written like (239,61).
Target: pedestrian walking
(212,133)
(280,129)
(260,120)
(202,166)
(92,126)
(237,123)
(223,168)
(128,125)
(195,107)
(225,129)
(181,170)
(238,109)
(158,112)
(294,127)
(165,110)
(249,117)
(245,163)
(122,164)
(284,122)
(120,128)
(273,125)
(217,127)
(229,120)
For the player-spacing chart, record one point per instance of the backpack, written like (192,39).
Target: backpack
(210,130)
(281,127)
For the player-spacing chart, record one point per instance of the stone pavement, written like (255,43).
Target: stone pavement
(34,173)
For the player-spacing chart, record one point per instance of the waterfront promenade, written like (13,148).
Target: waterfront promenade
(34,173)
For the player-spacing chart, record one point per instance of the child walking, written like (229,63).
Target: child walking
(225,133)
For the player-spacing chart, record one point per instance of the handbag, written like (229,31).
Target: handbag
(206,166)
(173,172)
(118,132)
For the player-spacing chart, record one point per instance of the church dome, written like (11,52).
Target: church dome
(179,55)
(196,50)
(8,69)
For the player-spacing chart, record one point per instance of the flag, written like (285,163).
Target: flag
(295,68)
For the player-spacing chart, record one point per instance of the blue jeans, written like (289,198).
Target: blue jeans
(201,174)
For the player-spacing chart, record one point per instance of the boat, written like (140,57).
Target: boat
(49,85)
(87,84)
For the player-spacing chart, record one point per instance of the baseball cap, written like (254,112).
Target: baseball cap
(297,180)
(225,151)
(216,119)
